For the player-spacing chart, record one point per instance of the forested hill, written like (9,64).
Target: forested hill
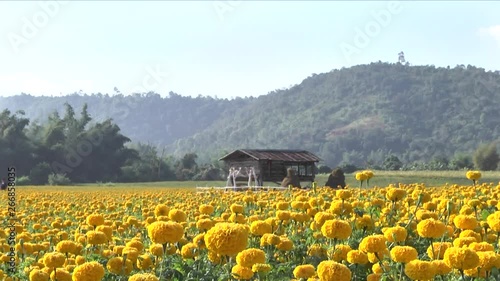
(352,115)
(142,117)
(368,111)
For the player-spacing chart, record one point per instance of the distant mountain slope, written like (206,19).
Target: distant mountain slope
(145,118)
(353,115)
(366,112)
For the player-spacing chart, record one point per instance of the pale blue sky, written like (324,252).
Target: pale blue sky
(228,48)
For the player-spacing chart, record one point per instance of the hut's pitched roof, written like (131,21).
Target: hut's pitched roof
(275,154)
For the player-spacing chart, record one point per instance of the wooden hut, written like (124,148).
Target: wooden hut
(271,164)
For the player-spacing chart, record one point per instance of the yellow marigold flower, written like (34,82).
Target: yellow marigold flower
(304,271)
(144,262)
(419,194)
(466,210)
(269,239)
(316,202)
(481,247)
(395,194)
(465,222)
(364,222)
(79,260)
(461,258)
(395,234)
(165,232)
(262,203)
(248,199)
(378,267)
(373,244)
(357,257)
(116,266)
(214,257)
(368,173)
(38,275)
(474,203)
(430,206)
(493,221)
(161,210)
(331,270)
(436,251)
(242,273)
(463,241)
(374,277)
(177,215)
(492,202)
(431,228)
(420,270)
(236,208)
(488,260)
(403,254)
(377,202)
(343,194)
(316,250)
(95,220)
(54,260)
(261,268)
(424,214)
(131,253)
(249,257)
(470,233)
(340,208)
(321,217)
(336,229)
(285,244)
(96,237)
(66,246)
(199,241)
(298,205)
(283,215)
(375,257)
(106,229)
(135,243)
(89,271)
(282,206)
(475,272)
(339,253)
(360,176)
(189,251)
(206,209)
(204,224)
(259,228)
(143,277)
(441,267)
(227,238)
(237,218)
(118,249)
(172,249)
(473,175)
(60,275)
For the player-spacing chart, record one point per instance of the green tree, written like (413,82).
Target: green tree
(16,149)
(392,163)
(40,173)
(461,161)
(486,157)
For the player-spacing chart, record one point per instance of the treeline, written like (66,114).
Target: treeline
(484,158)
(71,148)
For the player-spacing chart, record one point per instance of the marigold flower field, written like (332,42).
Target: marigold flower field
(405,232)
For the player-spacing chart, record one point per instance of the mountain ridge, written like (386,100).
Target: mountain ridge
(352,115)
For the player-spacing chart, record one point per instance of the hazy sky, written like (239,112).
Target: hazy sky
(228,48)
